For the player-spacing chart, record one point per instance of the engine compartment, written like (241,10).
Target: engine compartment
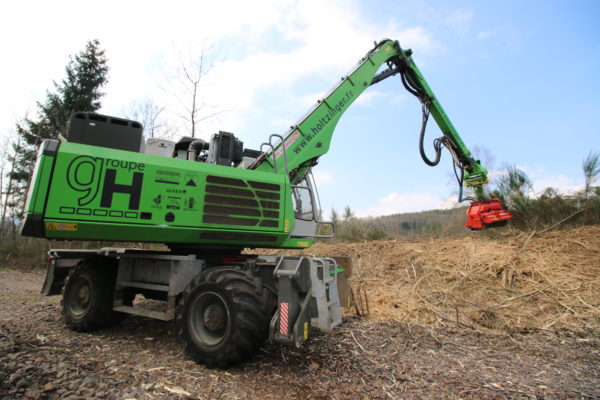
(123,134)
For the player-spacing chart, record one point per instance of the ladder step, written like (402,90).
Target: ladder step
(144,285)
(144,312)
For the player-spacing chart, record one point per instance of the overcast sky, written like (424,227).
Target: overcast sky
(520,79)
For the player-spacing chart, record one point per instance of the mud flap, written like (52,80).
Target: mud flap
(55,279)
(307,299)
(294,302)
(344,290)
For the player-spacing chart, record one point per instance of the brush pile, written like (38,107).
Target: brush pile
(514,283)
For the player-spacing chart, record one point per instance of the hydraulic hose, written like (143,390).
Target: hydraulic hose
(423,98)
(407,86)
(402,63)
(437,143)
(420,94)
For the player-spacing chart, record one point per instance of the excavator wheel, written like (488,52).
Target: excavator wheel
(224,317)
(88,295)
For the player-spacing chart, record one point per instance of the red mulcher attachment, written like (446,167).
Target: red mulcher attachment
(482,214)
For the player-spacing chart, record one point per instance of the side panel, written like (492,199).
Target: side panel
(38,190)
(107,194)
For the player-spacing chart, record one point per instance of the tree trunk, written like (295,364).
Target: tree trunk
(9,189)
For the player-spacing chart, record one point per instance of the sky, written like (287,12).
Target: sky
(518,79)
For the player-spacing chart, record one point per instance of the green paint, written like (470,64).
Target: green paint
(117,195)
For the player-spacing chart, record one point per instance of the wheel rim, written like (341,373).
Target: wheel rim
(80,296)
(209,319)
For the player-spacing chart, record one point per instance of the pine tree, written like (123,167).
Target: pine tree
(591,170)
(80,90)
(348,214)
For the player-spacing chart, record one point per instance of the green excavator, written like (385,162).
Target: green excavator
(207,201)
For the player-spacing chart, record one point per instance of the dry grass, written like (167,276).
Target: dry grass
(548,280)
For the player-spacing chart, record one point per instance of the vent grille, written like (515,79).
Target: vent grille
(237,237)
(230,201)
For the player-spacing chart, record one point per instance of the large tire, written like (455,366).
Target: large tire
(88,295)
(224,316)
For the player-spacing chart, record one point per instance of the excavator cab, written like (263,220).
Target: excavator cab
(305,200)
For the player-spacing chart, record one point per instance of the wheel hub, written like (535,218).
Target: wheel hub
(214,317)
(209,318)
(84,295)
(80,296)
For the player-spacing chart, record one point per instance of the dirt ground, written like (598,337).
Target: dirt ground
(405,350)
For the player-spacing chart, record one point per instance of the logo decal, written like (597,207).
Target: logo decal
(84,175)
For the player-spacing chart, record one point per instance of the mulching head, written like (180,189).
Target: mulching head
(484,214)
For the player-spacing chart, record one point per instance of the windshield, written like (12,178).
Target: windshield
(302,201)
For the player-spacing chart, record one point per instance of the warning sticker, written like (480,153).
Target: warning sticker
(288,143)
(305,330)
(59,226)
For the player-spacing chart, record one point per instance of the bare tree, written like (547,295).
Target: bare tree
(3,193)
(591,170)
(485,155)
(487,160)
(9,192)
(335,218)
(152,117)
(186,86)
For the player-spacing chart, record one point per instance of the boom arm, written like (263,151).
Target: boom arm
(472,173)
(311,137)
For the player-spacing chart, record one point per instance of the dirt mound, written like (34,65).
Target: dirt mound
(519,282)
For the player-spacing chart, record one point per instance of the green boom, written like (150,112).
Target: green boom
(311,137)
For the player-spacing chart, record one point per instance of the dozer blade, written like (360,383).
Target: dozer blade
(487,213)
